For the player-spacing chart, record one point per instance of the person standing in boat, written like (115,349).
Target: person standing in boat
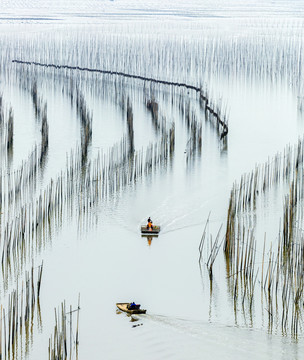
(149,226)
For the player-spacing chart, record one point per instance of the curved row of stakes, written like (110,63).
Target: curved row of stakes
(208,108)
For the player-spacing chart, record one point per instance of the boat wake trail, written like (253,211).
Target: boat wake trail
(189,327)
(220,341)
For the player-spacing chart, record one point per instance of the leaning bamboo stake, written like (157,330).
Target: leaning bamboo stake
(39,279)
(262,281)
(77,328)
(201,245)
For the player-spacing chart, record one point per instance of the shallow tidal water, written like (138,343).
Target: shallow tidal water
(100,254)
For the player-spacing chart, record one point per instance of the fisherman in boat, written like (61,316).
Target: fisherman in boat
(132,306)
(149,226)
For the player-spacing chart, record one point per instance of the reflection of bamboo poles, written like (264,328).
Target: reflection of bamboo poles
(58,343)
(243,197)
(283,270)
(77,327)
(208,106)
(106,175)
(206,55)
(130,126)
(239,242)
(10,129)
(16,323)
(41,115)
(86,125)
(6,133)
(282,168)
(152,105)
(21,183)
(44,135)
(194,127)
(214,249)
(35,98)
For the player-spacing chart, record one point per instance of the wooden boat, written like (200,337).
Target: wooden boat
(124,307)
(150,232)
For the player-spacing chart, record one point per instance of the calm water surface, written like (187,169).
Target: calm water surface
(105,259)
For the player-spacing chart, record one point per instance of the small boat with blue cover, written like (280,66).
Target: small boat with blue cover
(130,308)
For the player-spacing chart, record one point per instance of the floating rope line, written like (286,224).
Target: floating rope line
(208,109)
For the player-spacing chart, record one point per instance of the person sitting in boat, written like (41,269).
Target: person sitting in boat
(133,306)
(149,226)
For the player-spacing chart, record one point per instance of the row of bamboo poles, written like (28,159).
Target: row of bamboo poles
(281,275)
(212,113)
(160,124)
(86,124)
(109,173)
(194,127)
(63,344)
(283,168)
(18,316)
(24,231)
(40,108)
(6,132)
(203,53)
(105,177)
(84,183)
(19,185)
